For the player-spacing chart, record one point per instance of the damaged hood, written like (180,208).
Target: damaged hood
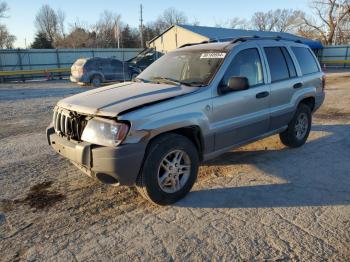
(114,99)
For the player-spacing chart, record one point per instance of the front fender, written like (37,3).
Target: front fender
(175,122)
(152,128)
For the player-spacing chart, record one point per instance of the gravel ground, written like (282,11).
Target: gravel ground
(259,202)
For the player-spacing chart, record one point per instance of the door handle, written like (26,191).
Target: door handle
(297,85)
(262,94)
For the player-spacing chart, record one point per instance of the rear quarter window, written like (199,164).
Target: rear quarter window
(306,60)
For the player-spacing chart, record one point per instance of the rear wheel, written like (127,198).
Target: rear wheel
(298,128)
(169,171)
(96,81)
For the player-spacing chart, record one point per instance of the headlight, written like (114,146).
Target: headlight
(104,132)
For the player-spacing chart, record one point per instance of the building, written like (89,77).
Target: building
(178,35)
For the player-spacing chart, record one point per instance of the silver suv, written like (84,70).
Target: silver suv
(189,106)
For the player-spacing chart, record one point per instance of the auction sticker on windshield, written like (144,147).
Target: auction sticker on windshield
(213,55)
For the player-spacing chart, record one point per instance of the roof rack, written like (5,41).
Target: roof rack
(256,37)
(191,44)
(242,39)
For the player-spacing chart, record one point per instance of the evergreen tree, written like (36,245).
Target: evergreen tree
(41,41)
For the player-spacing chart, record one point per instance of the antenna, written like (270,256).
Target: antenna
(141,26)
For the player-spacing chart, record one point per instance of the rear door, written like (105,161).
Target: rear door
(242,115)
(117,69)
(107,69)
(309,67)
(284,82)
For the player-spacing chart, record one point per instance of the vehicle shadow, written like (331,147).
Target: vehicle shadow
(317,174)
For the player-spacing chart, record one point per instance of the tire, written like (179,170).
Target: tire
(298,128)
(158,185)
(96,81)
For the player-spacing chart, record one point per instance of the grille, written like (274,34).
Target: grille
(69,124)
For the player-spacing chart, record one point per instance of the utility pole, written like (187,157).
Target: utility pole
(141,26)
(117,30)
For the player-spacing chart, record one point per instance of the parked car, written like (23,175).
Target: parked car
(189,106)
(96,71)
(145,58)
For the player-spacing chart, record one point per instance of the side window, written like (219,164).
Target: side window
(246,63)
(106,65)
(277,64)
(96,65)
(117,65)
(291,67)
(306,60)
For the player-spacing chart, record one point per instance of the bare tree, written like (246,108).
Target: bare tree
(61,17)
(46,21)
(195,22)
(173,16)
(108,29)
(288,20)
(3,9)
(239,23)
(264,21)
(170,16)
(279,20)
(332,15)
(6,39)
(78,38)
(221,23)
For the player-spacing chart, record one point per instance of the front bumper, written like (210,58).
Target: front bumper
(123,163)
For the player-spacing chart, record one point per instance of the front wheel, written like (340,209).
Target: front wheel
(170,169)
(298,128)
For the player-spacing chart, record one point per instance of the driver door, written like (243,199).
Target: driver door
(240,116)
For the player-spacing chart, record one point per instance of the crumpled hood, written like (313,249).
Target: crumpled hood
(113,99)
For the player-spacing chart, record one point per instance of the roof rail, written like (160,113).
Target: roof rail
(203,42)
(242,39)
(256,37)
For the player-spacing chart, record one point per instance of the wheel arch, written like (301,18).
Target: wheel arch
(97,74)
(309,101)
(192,132)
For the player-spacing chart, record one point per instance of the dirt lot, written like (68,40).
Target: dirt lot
(262,201)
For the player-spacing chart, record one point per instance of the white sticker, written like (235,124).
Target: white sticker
(213,55)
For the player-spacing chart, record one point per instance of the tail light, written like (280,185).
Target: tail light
(323,83)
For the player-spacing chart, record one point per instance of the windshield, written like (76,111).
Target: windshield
(195,68)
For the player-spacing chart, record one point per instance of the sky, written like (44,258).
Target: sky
(207,12)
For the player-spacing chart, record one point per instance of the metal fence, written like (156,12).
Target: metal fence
(56,61)
(337,56)
(22,64)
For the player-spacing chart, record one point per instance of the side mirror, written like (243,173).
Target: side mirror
(235,83)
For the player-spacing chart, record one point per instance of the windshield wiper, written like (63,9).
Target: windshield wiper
(140,80)
(194,83)
(166,79)
(177,82)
